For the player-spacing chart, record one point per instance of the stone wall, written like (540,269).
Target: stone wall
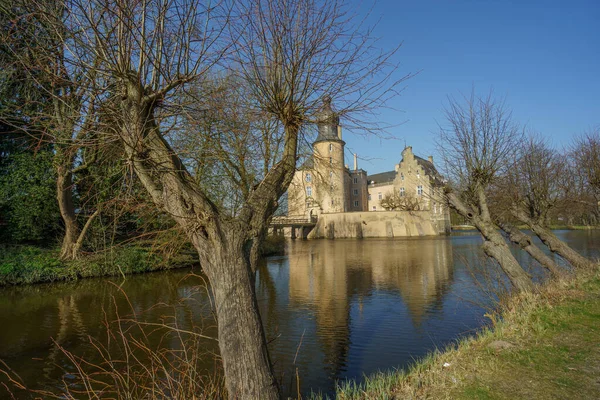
(378,224)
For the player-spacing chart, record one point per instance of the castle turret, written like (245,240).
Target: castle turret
(329,160)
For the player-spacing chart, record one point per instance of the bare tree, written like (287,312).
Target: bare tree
(141,57)
(396,201)
(67,118)
(585,154)
(476,147)
(502,197)
(541,183)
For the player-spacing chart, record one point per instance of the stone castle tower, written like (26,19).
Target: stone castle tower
(328,151)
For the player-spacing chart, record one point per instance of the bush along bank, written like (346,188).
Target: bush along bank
(540,345)
(29,264)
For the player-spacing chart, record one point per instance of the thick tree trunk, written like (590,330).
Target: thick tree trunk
(242,341)
(494,244)
(554,244)
(524,241)
(64,195)
(222,242)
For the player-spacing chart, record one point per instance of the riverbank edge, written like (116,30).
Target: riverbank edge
(538,344)
(525,227)
(27,265)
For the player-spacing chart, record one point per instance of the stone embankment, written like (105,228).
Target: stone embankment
(378,224)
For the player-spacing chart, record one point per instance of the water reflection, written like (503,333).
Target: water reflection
(332,310)
(331,288)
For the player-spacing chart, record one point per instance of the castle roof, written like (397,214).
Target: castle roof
(428,169)
(309,163)
(382,177)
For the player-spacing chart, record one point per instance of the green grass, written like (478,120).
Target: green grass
(566,227)
(555,335)
(29,264)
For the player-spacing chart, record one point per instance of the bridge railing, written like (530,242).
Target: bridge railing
(292,220)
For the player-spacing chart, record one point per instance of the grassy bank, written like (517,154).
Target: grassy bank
(525,227)
(29,264)
(574,227)
(543,345)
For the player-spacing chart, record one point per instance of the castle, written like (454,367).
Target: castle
(408,201)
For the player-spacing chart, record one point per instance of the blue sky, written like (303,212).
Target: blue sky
(542,56)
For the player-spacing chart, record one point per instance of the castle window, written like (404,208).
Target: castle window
(356,203)
(419,190)
(434,208)
(402,192)
(355,180)
(331,174)
(401,176)
(330,147)
(379,196)
(308,177)
(331,202)
(309,191)
(330,161)
(356,192)
(369,196)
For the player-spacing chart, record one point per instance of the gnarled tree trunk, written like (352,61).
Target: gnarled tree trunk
(64,196)
(223,243)
(494,244)
(554,244)
(524,241)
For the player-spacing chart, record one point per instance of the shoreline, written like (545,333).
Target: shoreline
(524,227)
(30,265)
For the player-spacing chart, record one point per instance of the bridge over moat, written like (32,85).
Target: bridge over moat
(300,226)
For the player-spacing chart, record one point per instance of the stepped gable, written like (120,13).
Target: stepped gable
(429,169)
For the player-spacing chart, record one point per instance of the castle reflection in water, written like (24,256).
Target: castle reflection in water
(345,297)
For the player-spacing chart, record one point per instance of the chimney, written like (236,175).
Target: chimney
(339,132)
(430,159)
(355,162)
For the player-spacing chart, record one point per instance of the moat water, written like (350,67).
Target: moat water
(332,309)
